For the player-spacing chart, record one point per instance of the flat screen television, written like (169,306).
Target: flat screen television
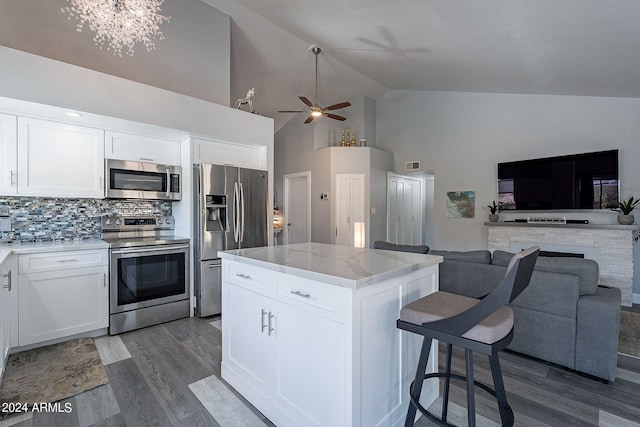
(579,181)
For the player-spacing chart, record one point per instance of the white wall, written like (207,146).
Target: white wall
(462,136)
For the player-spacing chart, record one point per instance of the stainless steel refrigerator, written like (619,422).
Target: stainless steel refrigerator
(231,212)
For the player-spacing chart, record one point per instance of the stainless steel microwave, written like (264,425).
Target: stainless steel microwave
(137,180)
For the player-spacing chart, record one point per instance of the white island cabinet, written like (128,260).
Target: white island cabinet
(309,332)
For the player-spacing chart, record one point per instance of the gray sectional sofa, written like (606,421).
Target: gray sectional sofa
(563,316)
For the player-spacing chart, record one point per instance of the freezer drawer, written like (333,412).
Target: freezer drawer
(209,298)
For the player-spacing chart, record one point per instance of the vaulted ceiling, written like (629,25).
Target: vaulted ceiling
(567,47)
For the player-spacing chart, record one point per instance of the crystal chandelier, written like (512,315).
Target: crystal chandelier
(119,24)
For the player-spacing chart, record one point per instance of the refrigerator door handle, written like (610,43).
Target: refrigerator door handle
(236,215)
(241,213)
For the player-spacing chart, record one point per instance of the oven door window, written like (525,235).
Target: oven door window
(121,179)
(149,277)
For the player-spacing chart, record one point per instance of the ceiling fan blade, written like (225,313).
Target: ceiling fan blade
(334,116)
(309,119)
(292,111)
(338,106)
(306,101)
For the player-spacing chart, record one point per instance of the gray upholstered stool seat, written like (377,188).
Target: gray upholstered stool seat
(484,326)
(441,305)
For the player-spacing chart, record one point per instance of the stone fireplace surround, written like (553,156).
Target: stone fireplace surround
(610,245)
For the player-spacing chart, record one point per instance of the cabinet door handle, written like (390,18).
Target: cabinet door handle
(262,323)
(244,276)
(68,260)
(106,280)
(301,294)
(8,285)
(13,174)
(271,324)
(145,159)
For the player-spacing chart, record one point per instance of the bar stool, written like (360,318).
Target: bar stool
(484,326)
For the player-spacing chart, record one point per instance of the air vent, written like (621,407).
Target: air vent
(411,166)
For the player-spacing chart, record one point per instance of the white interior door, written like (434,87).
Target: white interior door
(404,210)
(297,207)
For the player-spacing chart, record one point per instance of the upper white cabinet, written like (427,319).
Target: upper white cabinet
(224,153)
(138,148)
(59,160)
(8,154)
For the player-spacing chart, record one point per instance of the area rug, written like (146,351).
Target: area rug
(629,337)
(52,373)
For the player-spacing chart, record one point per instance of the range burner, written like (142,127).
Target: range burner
(124,231)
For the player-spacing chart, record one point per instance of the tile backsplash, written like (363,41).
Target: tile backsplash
(47,219)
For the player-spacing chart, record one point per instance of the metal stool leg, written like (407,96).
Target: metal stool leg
(414,391)
(506,414)
(447,381)
(471,405)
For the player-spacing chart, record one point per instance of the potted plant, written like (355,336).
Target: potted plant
(494,209)
(625,207)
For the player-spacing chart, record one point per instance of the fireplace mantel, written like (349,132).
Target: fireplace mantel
(610,245)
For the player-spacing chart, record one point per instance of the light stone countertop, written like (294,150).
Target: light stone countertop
(32,248)
(337,265)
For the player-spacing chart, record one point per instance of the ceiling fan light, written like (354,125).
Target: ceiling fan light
(316,113)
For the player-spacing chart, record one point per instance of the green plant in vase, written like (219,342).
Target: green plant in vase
(625,207)
(494,209)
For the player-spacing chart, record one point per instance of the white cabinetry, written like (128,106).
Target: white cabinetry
(138,148)
(59,160)
(225,153)
(404,210)
(286,341)
(7,287)
(308,353)
(62,294)
(8,154)
(349,206)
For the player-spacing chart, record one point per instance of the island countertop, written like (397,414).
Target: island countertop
(337,265)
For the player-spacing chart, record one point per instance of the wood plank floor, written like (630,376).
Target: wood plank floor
(169,375)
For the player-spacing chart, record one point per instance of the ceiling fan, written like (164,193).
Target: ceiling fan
(314,109)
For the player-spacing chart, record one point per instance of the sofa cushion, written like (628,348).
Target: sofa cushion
(480,257)
(419,249)
(552,293)
(587,270)
(470,279)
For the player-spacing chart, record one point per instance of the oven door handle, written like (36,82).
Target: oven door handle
(166,249)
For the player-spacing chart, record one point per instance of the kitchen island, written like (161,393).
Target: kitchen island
(309,332)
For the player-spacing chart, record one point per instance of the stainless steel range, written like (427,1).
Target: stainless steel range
(148,272)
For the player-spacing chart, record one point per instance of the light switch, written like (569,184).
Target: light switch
(373,210)
(5,224)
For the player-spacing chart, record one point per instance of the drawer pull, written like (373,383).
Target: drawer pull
(301,294)
(244,276)
(68,260)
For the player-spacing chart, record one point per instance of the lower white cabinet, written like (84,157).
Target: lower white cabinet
(308,353)
(6,287)
(63,301)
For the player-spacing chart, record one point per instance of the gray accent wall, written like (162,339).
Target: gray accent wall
(461,137)
(193,59)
